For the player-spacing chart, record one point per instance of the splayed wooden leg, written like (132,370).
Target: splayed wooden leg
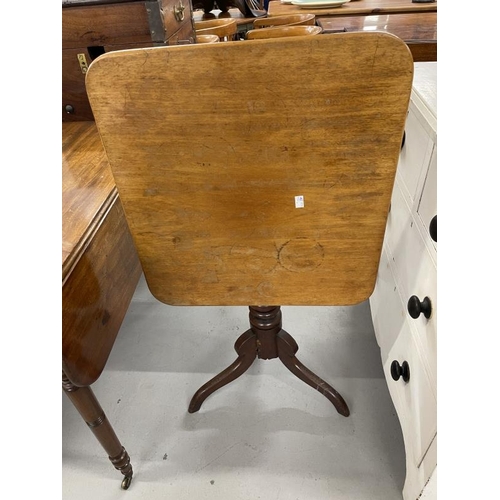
(267,340)
(246,349)
(287,347)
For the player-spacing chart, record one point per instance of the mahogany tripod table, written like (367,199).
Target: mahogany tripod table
(257,173)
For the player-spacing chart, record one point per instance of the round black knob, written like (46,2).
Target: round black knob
(69,109)
(433,228)
(398,371)
(417,307)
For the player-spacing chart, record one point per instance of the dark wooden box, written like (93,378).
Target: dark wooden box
(93,27)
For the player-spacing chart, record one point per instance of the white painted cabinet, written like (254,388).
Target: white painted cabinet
(408,344)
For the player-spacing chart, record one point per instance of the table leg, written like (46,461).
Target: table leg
(86,403)
(267,340)
(246,349)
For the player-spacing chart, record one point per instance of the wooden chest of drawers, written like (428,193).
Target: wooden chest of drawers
(93,27)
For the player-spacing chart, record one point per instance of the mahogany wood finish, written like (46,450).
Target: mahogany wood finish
(104,24)
(210,186)
(116,23)
(354,8)
(246,349)
(85,402)
(91,28)
(100,270)
(418,30)
(83,199)
(267,340)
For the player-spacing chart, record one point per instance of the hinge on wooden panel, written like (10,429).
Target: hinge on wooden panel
(82,60)
(155,20)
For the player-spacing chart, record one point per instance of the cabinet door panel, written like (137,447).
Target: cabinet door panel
(415,272)
(425,329)
(414,400)
(415,154)
(387,311)
(398,220)
(427,207)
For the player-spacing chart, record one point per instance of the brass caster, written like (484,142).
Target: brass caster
(126,482)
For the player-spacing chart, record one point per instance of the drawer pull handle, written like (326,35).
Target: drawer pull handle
(398,371)
(417,307)
(403,140)
(433,228)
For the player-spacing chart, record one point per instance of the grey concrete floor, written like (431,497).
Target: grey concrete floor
(266,435)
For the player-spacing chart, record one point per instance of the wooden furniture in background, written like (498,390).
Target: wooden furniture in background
(248,8)
(243,23)
(280,200)
(283,31)
(209,5)
(207,39)
(100,271)
(354,8)
(404,302)
(418,29)
(225,29)
(93,27)
(291,20)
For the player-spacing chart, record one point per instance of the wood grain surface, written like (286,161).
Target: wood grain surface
(96,296)
(354,7)
(100,266)
(88,189)
(418,29)
(211,144)
(283,31)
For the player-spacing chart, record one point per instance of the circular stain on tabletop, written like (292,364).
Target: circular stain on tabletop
(301,255)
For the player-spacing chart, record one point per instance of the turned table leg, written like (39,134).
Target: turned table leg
(86,403)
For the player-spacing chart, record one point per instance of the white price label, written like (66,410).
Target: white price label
(299,202)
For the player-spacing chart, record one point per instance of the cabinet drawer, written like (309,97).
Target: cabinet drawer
(386,308)
(415,274)
(415,154)
(414,400)
(398,220)
(90,25)
(417,477)
(427,207)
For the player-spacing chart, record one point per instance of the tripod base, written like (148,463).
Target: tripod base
(267,340)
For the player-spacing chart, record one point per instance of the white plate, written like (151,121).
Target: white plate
(319,4)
